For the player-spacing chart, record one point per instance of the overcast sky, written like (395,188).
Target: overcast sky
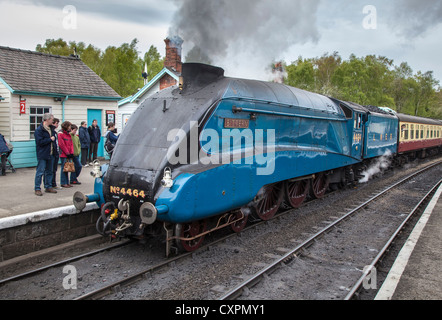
(403,30)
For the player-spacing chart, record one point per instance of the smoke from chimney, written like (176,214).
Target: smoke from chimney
(245,36)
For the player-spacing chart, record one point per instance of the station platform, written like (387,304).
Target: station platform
(416,273)
(18,200)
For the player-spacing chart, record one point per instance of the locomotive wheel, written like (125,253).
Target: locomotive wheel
(239,225)
(190,230)
(269,202)
(296,192)
(320,185)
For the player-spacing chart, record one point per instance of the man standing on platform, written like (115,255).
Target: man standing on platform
(95,134)
(45,155)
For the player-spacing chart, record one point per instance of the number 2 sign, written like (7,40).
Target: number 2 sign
(22,106)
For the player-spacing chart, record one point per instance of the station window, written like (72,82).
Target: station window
(36,118)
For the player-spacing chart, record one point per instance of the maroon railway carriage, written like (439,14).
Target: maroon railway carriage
(419,137)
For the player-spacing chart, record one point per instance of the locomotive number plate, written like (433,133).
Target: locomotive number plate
(130,192)
(236,123)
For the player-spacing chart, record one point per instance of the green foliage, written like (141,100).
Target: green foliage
(370,80)
(153,62)
(120,67)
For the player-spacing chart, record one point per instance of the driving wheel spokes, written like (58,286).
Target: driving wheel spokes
(270,198)
(188,234)
(320,185)
(296,192)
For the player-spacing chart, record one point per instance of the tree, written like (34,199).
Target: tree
(301,74)
(366,81)
(56,47)
(120,67)
(153,61)
(325,69)
(424,93)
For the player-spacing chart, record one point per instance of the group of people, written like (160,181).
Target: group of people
(64,146)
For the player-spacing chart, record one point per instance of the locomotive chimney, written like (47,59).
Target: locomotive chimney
(173,54)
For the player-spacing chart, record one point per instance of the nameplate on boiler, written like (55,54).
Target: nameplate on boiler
(236,123)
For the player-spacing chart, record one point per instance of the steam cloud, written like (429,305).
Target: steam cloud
(381,163)
(246,35)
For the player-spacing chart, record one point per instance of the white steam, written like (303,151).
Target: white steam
(380,164)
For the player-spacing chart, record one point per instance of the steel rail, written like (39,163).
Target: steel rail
(238,290)
(62,262)
(373,264)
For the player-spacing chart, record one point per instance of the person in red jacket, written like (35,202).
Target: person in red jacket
(66,151)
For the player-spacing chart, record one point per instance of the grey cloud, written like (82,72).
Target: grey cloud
(150,12)
(412,18)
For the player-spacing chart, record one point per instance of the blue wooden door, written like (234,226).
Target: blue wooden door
(96,114)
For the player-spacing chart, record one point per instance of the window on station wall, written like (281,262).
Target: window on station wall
(36,118)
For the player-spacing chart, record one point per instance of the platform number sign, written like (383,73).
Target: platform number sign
(22,106)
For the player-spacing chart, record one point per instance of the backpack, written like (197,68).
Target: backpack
(109,146)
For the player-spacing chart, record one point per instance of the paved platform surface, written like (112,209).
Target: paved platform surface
(17,192)
(417,271)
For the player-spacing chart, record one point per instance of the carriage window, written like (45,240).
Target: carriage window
(412,132)
(422,131)
(405,131)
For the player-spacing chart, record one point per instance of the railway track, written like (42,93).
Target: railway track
(149,273)
(67,261)
(161,269)
(304,248)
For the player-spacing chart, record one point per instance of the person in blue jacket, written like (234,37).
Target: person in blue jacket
(4,152)
(111,139)
(85,141)
(45,148)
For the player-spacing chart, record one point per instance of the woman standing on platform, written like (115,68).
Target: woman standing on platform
(66,151)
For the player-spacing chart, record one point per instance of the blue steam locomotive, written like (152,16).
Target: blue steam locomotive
(214,151)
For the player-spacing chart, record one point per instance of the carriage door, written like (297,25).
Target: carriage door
(357,144)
